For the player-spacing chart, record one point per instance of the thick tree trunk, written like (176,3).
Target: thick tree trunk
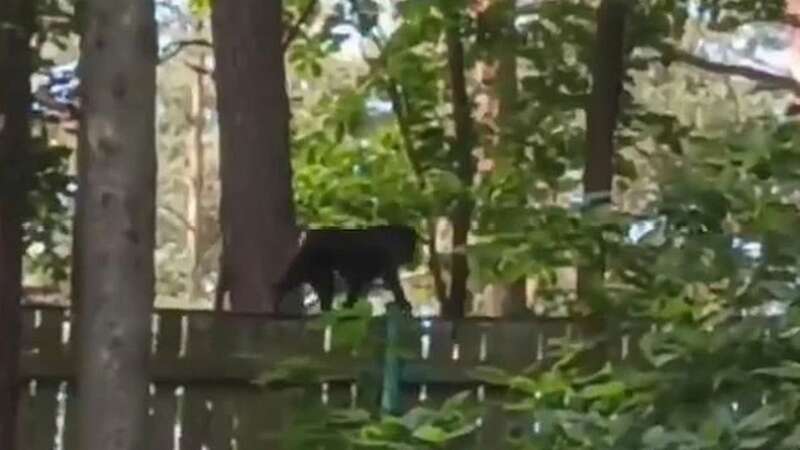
(464,141)
(16,27)
(115,216)
(792,12)
(257,206)
(601,122)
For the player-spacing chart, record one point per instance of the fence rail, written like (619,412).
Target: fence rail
(203,365)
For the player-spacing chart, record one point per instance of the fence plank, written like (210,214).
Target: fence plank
(47,335)
(222,417)
(263,416)
(168,339)
(71,419)
(26,337)
(26,424)
(163,410)
(195,419)
(42,421)
(511,345)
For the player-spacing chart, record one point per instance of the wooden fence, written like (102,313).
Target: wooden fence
(203,365)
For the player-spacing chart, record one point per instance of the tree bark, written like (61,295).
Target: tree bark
(17,25)
(462,150)
(115,219)
(792,12)
(602,114)
(257,205)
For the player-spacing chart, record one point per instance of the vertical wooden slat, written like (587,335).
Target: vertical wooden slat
(261,418)
(492,433)
(71,419)
(168,340)
(204,332)
(43,409)
(511,345)
(195,419)
(47,336)
(162,418)
(26,338)
(468,335)
(221,420)
(441,340)
(26,425)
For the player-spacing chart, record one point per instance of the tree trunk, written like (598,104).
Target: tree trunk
(601,121)
(195,181)
(497,76)
(115,217)
(462,148)
(792,13)
(16,27)
(257,205)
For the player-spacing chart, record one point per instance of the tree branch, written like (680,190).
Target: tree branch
(294,31)
(773,81)
(198,69)
(177,215)
(174,48)
(401,112)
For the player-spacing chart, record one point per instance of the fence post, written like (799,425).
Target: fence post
(390,395)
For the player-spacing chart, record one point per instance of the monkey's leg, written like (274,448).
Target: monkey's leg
(322,282)
(393,282)
(355,287)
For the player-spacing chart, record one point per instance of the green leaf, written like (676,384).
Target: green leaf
(789,370)
(793,440)
(524,384)
(656,437)
(432,434)
(456,401)
(603,390)
(760,420)
(418,416)
(349,416)
(753,442)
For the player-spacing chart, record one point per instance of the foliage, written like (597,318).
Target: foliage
(420,428)
(689,384)
(46,230)
(704,168)
(45,174)
(363,426)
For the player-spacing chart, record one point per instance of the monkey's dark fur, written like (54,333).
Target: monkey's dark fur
(359,256)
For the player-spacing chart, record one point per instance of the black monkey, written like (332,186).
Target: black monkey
(359,256)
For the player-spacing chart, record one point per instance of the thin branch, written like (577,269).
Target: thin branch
(395,96)
(174,48)
(759,76)
(177,215)
(294,31)
(401,112)
(198,69)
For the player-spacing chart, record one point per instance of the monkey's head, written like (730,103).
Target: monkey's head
(404,243)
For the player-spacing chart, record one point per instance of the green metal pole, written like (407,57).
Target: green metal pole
(390,396)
